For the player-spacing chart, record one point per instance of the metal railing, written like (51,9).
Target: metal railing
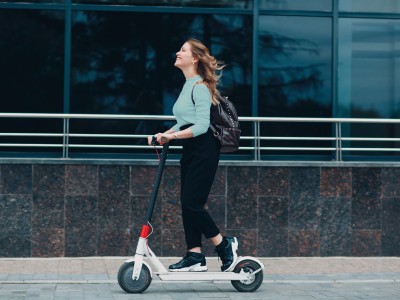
(254,141)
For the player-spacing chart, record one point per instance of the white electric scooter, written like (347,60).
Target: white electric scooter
(135,275)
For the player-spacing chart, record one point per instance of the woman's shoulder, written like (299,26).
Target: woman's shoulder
(200,88)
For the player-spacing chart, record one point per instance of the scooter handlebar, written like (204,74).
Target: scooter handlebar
(154,140)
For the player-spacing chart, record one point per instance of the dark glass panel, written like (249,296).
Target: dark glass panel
(123,63)
(31,61)
(295,75)
(373,6)
(34,1)
(313,5)
(369,76)
(184,3)
(295,67)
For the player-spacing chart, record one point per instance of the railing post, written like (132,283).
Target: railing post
(338,134)
(257,141)
(340,141)
(337,141)
(65,137)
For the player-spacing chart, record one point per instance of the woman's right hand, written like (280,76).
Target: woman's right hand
(150,140)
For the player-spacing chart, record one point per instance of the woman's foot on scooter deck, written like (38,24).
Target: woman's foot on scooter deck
(192,261)
(227,252)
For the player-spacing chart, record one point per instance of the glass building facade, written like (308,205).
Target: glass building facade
(286,58)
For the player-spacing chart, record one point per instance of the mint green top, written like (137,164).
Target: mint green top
(186,112)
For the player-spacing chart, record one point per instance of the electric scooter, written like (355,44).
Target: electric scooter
(135,274)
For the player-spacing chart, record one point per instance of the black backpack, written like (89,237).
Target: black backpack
(224,123)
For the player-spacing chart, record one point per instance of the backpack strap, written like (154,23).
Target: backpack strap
(212,127)
(198,82)
(192,93)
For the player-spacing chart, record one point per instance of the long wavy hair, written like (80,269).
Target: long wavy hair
(209,68)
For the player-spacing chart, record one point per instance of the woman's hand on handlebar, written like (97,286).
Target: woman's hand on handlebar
(160,138)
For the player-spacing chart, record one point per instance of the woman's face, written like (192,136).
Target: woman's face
(184,56)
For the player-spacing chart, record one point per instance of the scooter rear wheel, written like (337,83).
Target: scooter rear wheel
(251,284)
(129,285)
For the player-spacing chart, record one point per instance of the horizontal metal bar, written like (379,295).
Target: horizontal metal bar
(372,139)
(166,118)
(31,134)
(107,135)
(29,145)
(86,116)
(299,148)
(290,138)
(242,138)
(254,145)
(372,149)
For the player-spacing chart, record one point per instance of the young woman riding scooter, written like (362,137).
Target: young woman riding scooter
(200,156)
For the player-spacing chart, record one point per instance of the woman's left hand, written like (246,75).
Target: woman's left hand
(163,138)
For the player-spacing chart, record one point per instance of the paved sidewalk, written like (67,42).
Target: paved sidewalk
(284,278)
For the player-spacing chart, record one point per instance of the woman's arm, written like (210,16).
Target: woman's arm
(171,134)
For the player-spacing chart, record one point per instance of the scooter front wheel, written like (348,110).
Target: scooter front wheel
(253,282)
(129,285)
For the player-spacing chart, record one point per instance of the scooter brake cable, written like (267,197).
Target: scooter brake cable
(158,155)
(153,142)
(151,232)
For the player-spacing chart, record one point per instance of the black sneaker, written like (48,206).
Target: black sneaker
(228,254)
(195,262)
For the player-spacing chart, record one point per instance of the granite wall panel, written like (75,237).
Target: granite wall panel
(391,226)
(1,180)
(48,242)
(391,182)
(274,182)
(49,180)
(336,182)
(85,210)
(335,226)
(242,198)
(272,225)
(16,179)
(81,180)
(113,203)
(15,225)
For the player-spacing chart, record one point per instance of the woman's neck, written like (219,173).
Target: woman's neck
(190,73)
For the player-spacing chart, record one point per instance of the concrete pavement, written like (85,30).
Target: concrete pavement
(92,278)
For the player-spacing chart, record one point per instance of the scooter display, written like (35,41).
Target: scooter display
(135,274)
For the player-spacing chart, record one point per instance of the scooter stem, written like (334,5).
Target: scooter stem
(156,185)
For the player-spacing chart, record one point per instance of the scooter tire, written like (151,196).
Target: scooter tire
(129,285)
(255,281)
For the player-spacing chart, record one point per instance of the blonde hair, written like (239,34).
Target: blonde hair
(208,66)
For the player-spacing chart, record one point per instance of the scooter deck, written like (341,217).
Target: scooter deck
(201,276)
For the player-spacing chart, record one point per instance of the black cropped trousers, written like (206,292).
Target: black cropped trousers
(199,164)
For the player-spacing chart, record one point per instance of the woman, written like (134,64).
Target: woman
(200,156)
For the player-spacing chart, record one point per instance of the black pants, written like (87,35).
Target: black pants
(199,164)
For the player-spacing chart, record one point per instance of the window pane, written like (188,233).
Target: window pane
(134,73)
(31,61)
(185,3)
(295,66)
(295,74)
(374,6)
(325,5)
(35,1)
(369,74)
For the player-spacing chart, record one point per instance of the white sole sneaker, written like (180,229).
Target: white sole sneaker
(235,246)
(195,268)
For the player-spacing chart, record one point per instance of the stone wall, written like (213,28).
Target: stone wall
(49,210)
